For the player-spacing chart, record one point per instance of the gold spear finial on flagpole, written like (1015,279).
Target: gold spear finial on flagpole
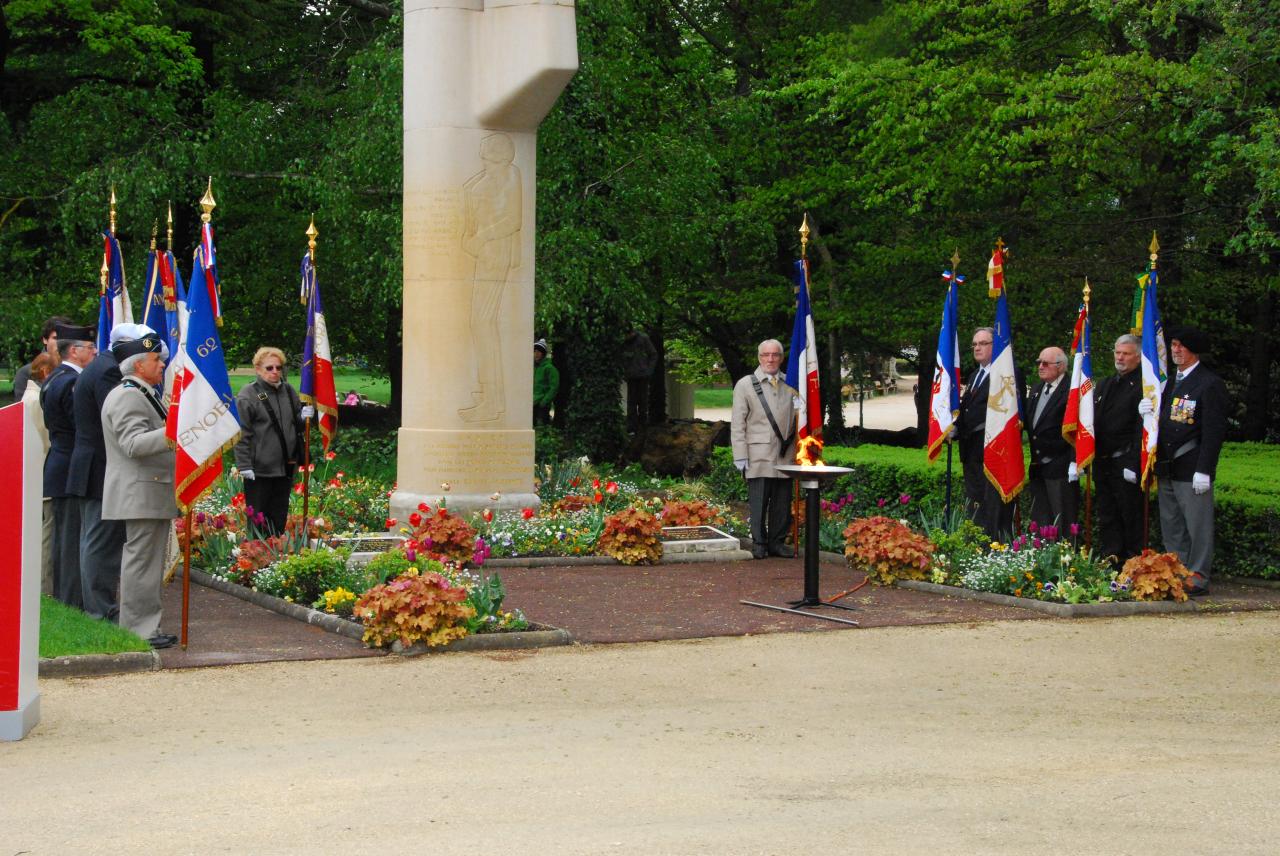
(169,229)
(1154,248)
(312,232)
(155,230)
(955,261)
(113,210)
(804,234)
(1086,293)
(207,203)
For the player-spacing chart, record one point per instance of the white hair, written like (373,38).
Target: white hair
(129,365)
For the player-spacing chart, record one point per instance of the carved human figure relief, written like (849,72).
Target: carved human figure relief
(492,212)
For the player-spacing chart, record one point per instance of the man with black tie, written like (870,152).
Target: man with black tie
(1193,426)
(76,349)
(1118,434)
(986,508)
(1053,491)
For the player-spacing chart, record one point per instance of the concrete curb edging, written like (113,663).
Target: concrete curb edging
(1249,581)
(1060,610)
(570,561)
(544,638)
(93,665)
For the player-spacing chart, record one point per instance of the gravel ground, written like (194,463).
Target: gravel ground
(1129,736)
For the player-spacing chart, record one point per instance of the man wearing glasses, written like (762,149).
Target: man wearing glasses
(982,499)
(1054,501)
(763,433)
(271,418)
(57,401)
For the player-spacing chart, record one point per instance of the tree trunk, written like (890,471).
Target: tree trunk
(395,356)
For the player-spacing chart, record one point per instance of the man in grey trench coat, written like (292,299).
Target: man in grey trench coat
(138,487)
(760,444)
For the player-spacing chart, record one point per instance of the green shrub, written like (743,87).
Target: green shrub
(305,577)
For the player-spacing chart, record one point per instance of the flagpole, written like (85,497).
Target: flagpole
(795,483)
(208,204)
(1088,470)
(1154,248)
(312,233)
(946,510)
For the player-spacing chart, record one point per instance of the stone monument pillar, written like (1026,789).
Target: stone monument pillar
(479,76)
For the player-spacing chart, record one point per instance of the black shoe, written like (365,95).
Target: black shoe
(759,552)
(1198,591)
(783,551)
(162,640)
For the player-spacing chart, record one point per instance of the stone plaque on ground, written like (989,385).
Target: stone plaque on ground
(696,539)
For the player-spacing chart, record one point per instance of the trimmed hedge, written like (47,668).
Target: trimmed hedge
(1247,492)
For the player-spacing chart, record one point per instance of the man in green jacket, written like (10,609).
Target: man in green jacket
(546,383)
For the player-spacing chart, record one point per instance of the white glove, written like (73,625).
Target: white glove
(1130,476)
(1145,408)
(740,464)
(1200,483)
(795,404)
(1073,472)
(308,412)
(247,475)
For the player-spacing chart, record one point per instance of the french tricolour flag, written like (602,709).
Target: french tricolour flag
(1077,422)
(802,361)
(316,386)
(944,405)
(203,421)
(113,299)
(1002,453)
(1155,370)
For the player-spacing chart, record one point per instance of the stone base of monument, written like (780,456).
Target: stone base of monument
(365,546)
(696,539)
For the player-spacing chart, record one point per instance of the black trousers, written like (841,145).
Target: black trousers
(769,504)
(986,509)
(67,585)
(1054,502)
(1119,511)
(637,403)
(270,496)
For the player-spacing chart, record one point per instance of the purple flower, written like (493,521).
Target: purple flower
(1033,528)
(880,503)
(1037,543)
(1075,529)
(1049,587)
(1050,533)
(200,517)
(1114,586)
(410,554)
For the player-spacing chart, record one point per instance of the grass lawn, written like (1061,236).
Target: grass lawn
(346,380)
(65,631)
(713,398)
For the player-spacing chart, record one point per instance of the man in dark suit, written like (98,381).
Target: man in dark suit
(986,508)
(1193,426)
(101,541)
(76,349)
(1053,492)
(1118,436)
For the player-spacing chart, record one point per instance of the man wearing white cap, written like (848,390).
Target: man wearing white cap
(138,488)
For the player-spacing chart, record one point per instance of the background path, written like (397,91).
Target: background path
(1134,736)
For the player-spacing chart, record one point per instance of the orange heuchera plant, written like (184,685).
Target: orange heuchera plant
(695,512)
(1155,576)
(414,607)
(886,549)
(633,536)
(446,535)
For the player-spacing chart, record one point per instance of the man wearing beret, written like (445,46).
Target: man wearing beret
(101,541)
(138,487)
(76,350)
(1193,426)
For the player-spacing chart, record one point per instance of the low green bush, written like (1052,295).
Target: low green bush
(1247,492)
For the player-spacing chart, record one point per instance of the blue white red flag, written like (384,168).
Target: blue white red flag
(1002,459)
(944,403)
(113,295)
(1077,421)
(1155,370)
(315,385)
(802,360)
(175,319)
(203,421)
(205,269)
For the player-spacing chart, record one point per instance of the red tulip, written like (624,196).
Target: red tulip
(424,508)
(487,514)
(611,487)
(415,519)
(527,513)
(599,496)
(391,523)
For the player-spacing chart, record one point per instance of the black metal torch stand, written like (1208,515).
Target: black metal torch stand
(810,478)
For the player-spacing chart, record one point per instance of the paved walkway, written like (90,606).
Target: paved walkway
(1132,736)
(889,412)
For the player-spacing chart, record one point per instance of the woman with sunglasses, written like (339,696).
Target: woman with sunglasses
(271,418)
